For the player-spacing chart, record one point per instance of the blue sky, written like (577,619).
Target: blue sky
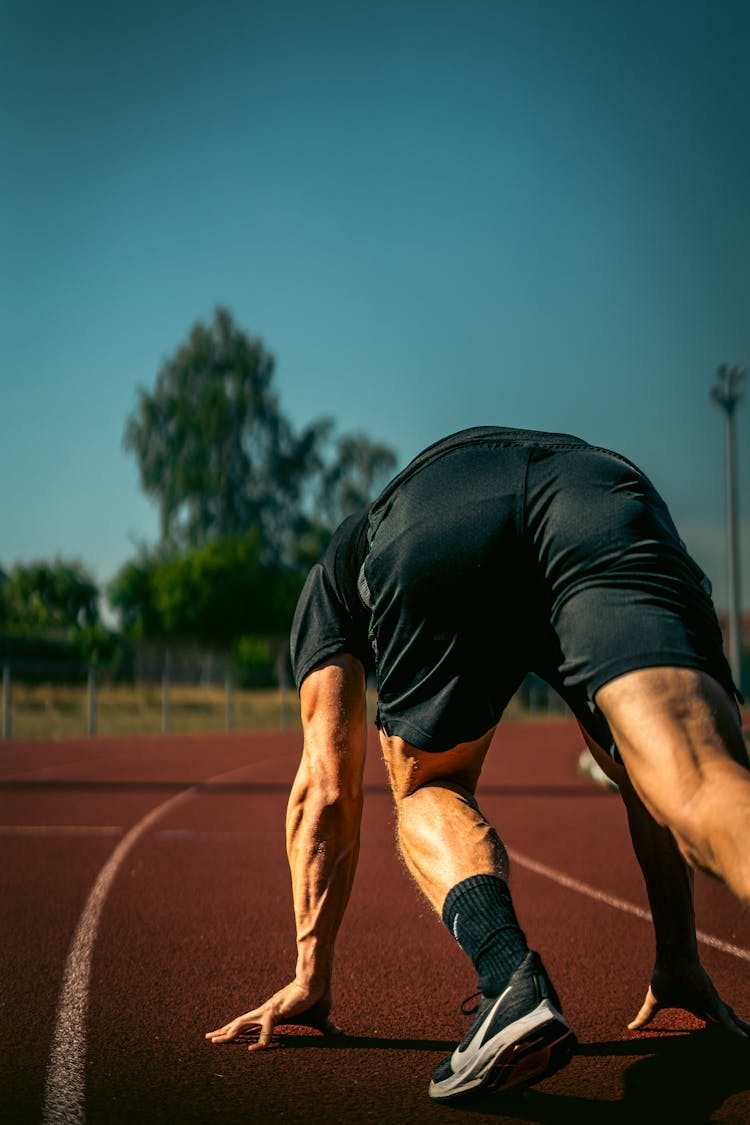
(434,214)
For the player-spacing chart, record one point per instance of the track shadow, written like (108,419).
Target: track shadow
(680,1077)
(675,1076)
(300,1039)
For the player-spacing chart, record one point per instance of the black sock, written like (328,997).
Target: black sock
(480,915)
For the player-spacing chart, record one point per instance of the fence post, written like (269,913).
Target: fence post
(165,694)
(229,713)
(7,725)
(283,679)
(91,710)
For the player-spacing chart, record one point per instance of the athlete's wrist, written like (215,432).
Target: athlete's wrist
(314,964)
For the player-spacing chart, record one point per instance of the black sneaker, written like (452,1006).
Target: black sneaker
(515,1039)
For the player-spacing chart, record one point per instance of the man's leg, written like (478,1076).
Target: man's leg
(458,860)
(442,835)
(680,738)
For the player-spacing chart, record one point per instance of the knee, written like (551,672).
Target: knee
(424,802)
(427,808)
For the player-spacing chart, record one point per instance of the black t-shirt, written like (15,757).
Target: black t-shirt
(330,615)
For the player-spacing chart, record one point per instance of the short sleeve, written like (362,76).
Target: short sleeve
(330,616)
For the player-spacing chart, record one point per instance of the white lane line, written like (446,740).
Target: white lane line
(65,1087)
(60,830)
(618,903)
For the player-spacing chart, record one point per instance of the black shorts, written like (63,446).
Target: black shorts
(540,553)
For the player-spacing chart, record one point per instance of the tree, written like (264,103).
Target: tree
(56,604)
(352,477)
(213,447)
(49,598)
(214,594)
(219,457)
(131,593)
(246,503)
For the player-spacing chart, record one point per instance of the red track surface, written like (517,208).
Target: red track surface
(196,926)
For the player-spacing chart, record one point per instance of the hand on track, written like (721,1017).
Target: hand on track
(293,1004)
(689,987)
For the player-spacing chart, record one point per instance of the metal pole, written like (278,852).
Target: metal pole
(229,716)
(7,724)
(92,702)
(727,394)
(733,556)
(165,716)
(282,678)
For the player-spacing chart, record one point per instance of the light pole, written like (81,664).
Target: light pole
(726,392)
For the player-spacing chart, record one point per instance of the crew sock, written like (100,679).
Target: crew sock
(480,915)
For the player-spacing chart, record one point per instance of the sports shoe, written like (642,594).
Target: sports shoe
(515,1039)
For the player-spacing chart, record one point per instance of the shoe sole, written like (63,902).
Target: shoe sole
(541,1044)
(533,1058)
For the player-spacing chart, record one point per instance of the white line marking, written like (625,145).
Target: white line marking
(65,1087)
(617,903)
(60,830)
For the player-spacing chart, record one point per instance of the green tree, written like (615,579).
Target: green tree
(131,593)
(214,594)
(352,476)
(57,602)
(219,457)
(214,449)
(49,598)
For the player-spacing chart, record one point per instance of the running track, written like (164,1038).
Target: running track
(145,900)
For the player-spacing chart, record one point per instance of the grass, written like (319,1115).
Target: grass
(62,711)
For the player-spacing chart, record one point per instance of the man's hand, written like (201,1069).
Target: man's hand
(293,1004)
(688,986)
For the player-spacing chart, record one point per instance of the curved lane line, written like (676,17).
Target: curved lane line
(65,1087)
(617,903)
(64,1092)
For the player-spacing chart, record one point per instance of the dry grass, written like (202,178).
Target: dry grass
(62,711)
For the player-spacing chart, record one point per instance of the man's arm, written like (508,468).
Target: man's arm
(678,979)
(322,829)
(325,810)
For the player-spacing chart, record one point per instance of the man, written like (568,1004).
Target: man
(494,553)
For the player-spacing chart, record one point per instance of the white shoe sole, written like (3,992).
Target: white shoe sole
(524,1052)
